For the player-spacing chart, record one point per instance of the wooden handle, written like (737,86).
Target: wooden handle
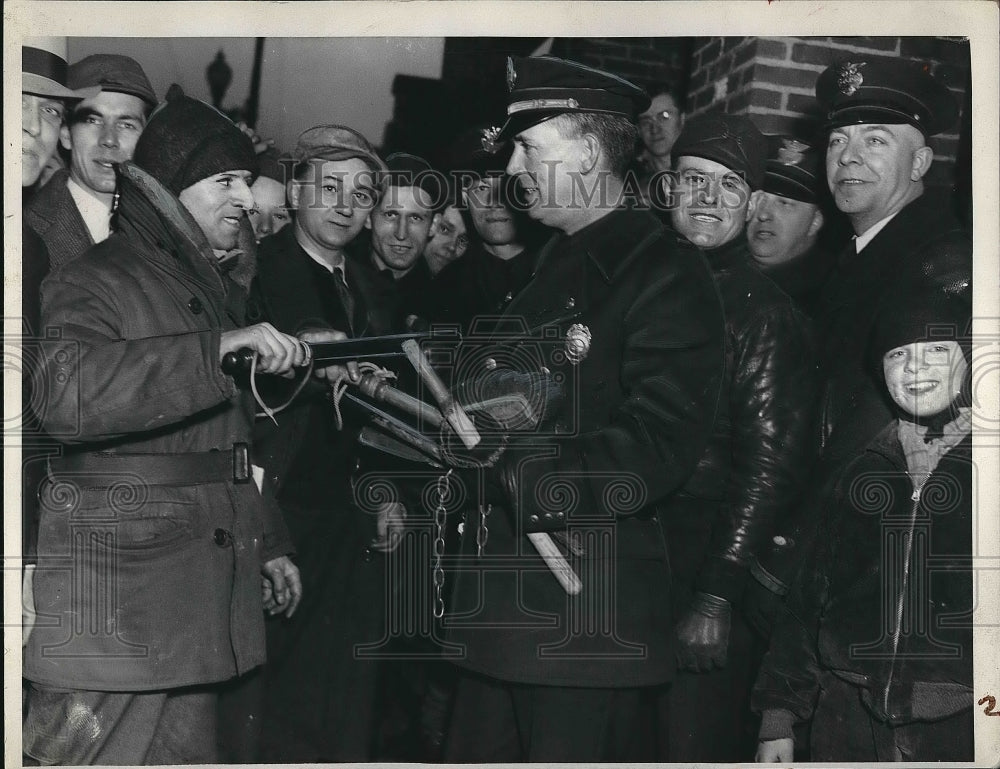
(450,408)
(557,564)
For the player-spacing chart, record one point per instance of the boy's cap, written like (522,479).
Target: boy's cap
(730,140)
(336,142)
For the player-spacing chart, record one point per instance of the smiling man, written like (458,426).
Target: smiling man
(636,331)
(878,117)
(179,577)
(760,449)
(73,210)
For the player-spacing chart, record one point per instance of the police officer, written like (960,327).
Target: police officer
(784,234)
(878,116)
(907,243)
(635,333)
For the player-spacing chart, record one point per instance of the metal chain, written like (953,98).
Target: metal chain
(440,514)
(483,534)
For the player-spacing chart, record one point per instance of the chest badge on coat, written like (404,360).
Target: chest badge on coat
(578,340)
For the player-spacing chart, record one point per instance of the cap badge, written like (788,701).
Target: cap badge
(849,77)
(489,139)
(791,152)
(577,343)
(511,74)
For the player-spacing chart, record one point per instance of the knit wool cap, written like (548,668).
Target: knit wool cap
(187,140)
(921,315)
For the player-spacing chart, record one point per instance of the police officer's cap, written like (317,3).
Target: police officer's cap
(542,87)
(793,170)
(893,92)
(730,140)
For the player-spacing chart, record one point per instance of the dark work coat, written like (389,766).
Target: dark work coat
(54,215)
(637,414)
(137,371)
(803,278)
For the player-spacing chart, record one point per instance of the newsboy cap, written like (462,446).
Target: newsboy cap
(111,72)
(893,91)
(336,142)
(731,140)
(542,87)
(793,169)
(44,70)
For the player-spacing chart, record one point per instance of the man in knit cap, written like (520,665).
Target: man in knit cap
(73,210)
(757,456)
(166,600)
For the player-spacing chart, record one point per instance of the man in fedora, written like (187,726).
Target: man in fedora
(73,210)
(634,330)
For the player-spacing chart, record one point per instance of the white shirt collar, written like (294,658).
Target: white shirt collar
(866,237)
(95,212)
(316,257)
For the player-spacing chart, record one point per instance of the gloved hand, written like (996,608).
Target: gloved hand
(703,634)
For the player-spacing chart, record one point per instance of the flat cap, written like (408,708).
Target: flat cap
(542,87)
(793,169)
(731,140)
(112,72)
(44,70)
(893,92)
(406,170)
(336,142)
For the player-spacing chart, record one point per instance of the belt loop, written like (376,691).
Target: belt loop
(241,463)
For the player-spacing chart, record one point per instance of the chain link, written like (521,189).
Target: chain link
(440,516)
(483,533)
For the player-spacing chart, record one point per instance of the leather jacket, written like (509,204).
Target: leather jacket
(762,445)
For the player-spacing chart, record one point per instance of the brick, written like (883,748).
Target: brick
(870,43)
(711,52)
(745,54)
(698,79)
(814,54)
(765,97)
(802,104)
(729,43)
(703,98)
(772,49)
(794,76)
(738,103)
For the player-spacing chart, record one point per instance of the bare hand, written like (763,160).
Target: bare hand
(390,526)
(335,372)
(259,144)
(278,353)
(775,751)
(281,586)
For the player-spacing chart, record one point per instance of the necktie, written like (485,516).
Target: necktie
(345,297)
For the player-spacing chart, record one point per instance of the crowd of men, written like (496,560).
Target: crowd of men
(683,520)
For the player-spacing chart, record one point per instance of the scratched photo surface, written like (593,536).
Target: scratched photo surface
(488,383)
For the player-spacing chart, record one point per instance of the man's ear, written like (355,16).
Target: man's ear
(65,138)
(293,190)
(590,149)
(435,220)
(816,224)
(368,219)
(922,159)
(752,205)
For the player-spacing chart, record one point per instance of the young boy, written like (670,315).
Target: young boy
(875,644)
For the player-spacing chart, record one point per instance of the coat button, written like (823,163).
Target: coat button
(222,537)
(508,296)
(367,555)
(491,363)
(194,304)
(570,303)
(533,518)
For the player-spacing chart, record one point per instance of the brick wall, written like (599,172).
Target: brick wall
(651,62)
(773,80)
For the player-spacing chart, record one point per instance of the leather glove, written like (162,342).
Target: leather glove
(703,634)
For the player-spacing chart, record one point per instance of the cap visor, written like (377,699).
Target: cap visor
(788,188)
